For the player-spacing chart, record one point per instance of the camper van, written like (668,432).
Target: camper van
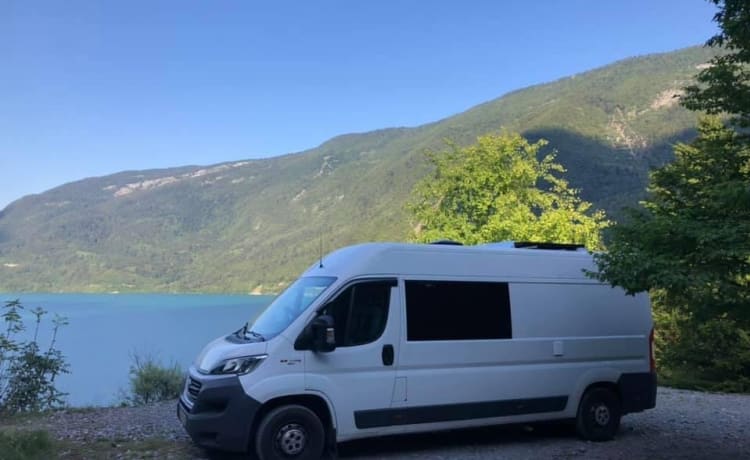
(388,338)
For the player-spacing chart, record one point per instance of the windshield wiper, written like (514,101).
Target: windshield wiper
(242,331)
(253,334)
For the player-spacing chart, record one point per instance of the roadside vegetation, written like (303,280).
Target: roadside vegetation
(26,445)
(27,369)
(151,381)
(27,381)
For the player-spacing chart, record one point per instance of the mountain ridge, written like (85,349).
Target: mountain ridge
(252,225)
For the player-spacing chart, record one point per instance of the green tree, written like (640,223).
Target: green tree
(498,189)
(724,86)
(691,238)
(689,243)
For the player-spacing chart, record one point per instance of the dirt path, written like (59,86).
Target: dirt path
(685,424)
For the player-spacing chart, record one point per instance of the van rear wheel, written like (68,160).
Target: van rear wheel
(599,415)
(290,432)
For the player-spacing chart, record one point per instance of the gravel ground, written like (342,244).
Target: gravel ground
(685,425)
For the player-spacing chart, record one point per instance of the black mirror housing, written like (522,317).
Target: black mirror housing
(323,334)
(318,336)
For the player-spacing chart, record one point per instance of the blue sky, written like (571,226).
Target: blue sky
(92,88)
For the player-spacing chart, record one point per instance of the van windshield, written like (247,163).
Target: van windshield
(288,306)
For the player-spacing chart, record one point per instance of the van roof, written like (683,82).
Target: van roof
(493,260)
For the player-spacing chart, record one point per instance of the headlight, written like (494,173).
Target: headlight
(239,366)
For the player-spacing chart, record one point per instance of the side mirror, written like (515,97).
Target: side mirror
(323,334)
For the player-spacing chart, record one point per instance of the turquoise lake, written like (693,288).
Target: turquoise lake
(105,330)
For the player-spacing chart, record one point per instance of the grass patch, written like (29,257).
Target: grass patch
(22,444)
(686,381)
(80,410)
(8,422)
(26,445)
(152,448)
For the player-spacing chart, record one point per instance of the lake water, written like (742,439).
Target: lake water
(105,330)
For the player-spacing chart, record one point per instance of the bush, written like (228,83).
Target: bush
(711,354)
(27,373)
(151,382)
(25,445)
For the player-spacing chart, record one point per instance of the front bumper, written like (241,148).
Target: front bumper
(216,412)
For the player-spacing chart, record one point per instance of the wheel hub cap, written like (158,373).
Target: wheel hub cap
(601,415)
(291,439)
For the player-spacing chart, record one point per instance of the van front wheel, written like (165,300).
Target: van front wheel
(290,432)
(599,415)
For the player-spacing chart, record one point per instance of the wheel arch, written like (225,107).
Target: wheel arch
(612,386)
(603,377)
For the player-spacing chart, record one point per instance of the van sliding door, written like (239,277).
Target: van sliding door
(457,360)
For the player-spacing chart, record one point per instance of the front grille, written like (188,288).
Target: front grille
(193,388)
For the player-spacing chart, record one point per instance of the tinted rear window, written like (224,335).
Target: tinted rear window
(457,310)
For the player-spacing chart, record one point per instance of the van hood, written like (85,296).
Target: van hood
(221,349)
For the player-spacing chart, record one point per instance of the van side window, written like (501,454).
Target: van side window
(457,310)
(360,312)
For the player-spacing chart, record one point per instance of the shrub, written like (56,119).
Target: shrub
(150,381)
(27,372)
(25,445)
(711,354)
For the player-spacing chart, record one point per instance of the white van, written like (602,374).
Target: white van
(384,338)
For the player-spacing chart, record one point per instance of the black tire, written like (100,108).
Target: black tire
(290,432)
(599,415)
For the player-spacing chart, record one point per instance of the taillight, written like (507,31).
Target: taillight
(652,360)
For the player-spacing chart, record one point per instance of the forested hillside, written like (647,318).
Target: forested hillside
(254,225)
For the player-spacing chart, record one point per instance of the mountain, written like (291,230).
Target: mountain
(254,225)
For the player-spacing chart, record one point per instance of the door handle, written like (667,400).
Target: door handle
(388,355)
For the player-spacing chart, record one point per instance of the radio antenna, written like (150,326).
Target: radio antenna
(321,251)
